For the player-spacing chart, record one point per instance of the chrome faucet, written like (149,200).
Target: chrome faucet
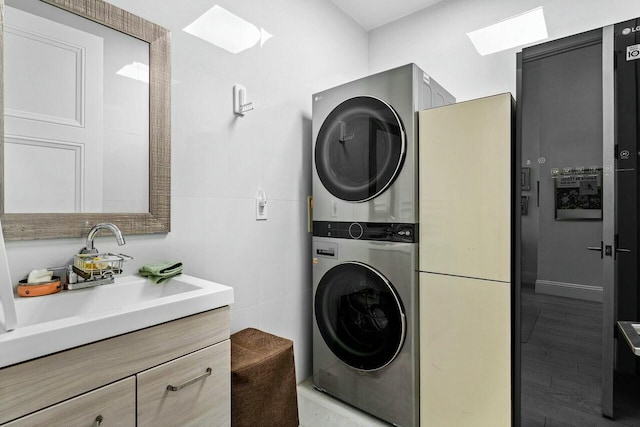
(89,248)
(90,268)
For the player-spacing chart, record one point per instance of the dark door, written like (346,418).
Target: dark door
(360,149)
(627,125)
(623,231)
(578,103)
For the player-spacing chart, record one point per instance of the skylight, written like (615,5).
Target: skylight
(226,30)
(518,30)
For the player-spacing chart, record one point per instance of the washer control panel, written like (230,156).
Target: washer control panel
(387,232)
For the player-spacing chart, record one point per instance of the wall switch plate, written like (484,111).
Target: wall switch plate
(261,206)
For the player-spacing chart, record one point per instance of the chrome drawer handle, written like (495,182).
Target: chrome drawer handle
(188,383)
(98,421)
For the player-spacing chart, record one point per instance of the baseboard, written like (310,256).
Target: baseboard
(569,290)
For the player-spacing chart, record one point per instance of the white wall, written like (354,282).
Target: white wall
(220,161)
(435,39)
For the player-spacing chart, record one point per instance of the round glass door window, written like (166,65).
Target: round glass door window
(360,316)
(360,149)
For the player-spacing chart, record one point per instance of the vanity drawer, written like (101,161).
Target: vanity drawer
(199,396)
(113,404)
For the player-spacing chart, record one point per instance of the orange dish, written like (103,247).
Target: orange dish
(38,289)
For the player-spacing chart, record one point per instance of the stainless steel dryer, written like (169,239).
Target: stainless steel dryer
(365,146)
(365,348)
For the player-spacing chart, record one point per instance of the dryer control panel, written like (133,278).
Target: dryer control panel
(387,232)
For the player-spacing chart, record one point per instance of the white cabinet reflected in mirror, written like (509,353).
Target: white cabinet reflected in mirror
(86,119)
(76,114)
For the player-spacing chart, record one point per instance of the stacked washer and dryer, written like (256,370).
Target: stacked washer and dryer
(365,246)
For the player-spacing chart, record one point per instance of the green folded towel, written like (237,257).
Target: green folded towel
(158,279)
(161,271)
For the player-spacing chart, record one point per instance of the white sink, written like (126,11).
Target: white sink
(68,319)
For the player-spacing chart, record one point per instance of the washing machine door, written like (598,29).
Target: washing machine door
(360,149)
(360,316)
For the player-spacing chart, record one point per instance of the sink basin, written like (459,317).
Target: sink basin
(68,319)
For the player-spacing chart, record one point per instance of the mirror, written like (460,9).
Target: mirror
(86,129)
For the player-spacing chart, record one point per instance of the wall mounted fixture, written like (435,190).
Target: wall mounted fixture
(146,211)
(240,106)
(261,205)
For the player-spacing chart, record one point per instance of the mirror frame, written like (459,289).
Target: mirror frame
(32,226)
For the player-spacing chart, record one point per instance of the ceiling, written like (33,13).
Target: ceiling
(374,13)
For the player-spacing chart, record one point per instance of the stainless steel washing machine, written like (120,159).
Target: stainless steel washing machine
(365,341)
(365,146)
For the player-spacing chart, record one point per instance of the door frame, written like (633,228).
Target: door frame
(605,36)
(608,220)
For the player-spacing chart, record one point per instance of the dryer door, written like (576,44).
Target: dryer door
(360,316)
(360,149)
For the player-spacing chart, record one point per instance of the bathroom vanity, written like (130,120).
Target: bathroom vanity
(176,373)
(126,354)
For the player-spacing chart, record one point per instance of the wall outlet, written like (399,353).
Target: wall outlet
(261,206)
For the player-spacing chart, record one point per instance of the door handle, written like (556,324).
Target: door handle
(616,239)
(597,248)
(608,251)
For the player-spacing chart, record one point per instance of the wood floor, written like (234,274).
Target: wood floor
(561,363)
